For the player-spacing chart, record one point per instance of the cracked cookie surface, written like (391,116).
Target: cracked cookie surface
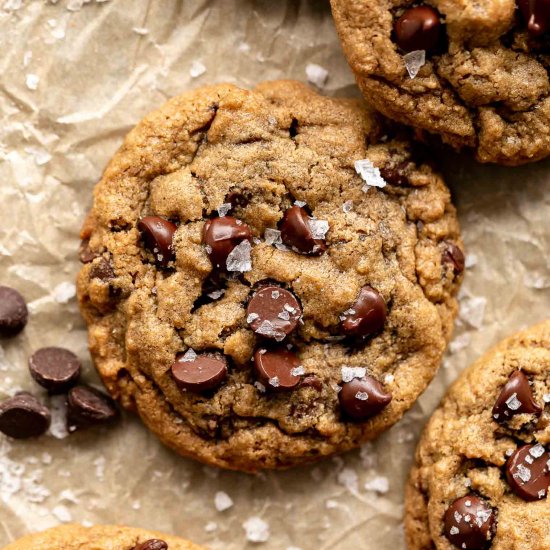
(100,537)
(484,83)
(487,448)
(232,345)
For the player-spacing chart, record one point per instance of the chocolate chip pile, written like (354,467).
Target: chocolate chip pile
(57,370)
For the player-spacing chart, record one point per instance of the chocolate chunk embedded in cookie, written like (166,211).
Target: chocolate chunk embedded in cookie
(287,275)
(474,73)
(482,478)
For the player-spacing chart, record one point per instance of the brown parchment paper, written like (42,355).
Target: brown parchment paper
(74,77)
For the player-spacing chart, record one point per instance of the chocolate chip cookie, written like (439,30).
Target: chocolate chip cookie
(473,72)
(269,276)
(482,473)
(100,537)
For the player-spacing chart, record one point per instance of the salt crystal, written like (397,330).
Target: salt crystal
(211,526)
(224,209)
(483,516)
(389,378)
(369,173)
(414,61)
(331,504)
(259,386)
(318,228)
(523,473)
(316,74)
(275,294)
(216,294)
(347,206)
(546,397)
(69,496)
(537,451)
(266,328)
(362,395)
(63,292)
(252,317)
(454,530)
(298,371)
(458,517)
(136,505)
(349,479)
(513,403)
(197,68)
(208,249)
(32,81)
(284,315)
(472,310)
(281,247)
(222,501)
(349,373)
(58,409)
(257,530)
(378,484)
(289,308)
(541,493)
(141,30)
(274,382)
(62,513)
(460,342)
(189,356)
(243,47)
(300,204)
(471,260)
(239,258)
(272,236)
(12,5)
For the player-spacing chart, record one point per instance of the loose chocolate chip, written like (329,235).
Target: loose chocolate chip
(366,316)
(87,407)
(454,256)
(23,416)
(515,398)
(363,398)
(536,14)
(102,270)
(528,472)
(418,29)
(13,312)
(199,373)
(153,544)
(55,369)
(277,369)
(157,234)
(273,312)
(221,236)
(469,523)
(86,254)
(297,233)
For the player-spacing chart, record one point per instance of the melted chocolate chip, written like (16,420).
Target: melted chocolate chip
(55,369)
(364,398)
(221,236)
(296,232)
(158,234)
(516,397)
(13,312)
(273,312)
(528,472)
(536,14)
(102,270)
(454,256)
(199,373)
(152,544)
(87,407)
(469,523)
(418,29)
(394,175)
(366,316)
(23,416)
(86,254)
(277,369)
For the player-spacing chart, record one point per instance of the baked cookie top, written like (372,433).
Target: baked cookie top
(100,537)
(484,83)
(248,293)
(482,473)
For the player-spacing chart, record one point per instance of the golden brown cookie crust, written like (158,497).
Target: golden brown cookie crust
(99,537)
(181,162)
(463,450)
(489,89)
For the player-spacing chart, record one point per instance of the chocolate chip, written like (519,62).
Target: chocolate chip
(13,312)
(87,407)
(366,316)
(273,312)
(86,254)
(23,416)
(454,256)
(221,236)
(277,369)
(102,270)
(469,523)
(312,381)
(363,398)
(516,397)
(394,175)
(528,472)
(418,29)
(297,233)
(201,372)
(152,544)
(55,369)
(536,14)
(157,234)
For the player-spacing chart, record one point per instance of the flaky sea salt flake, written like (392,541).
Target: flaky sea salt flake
(222,501)
(316,74)
(523,473)
(369,174)
(32,80)
(513,403)
(349,373)
(257,530)
(362,395)
(189,356)
(318,228)
(347,206)
(224,209)
(62,513)
(239,258)
(298,371)
(414,61)
(272,236)
(537,451)
(197,69)
(379,484)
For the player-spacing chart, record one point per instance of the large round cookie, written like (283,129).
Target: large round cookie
(232,339)
(100,537)
(482,473)
(485,82)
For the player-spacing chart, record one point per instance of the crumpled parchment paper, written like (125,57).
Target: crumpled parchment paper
(75,76)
